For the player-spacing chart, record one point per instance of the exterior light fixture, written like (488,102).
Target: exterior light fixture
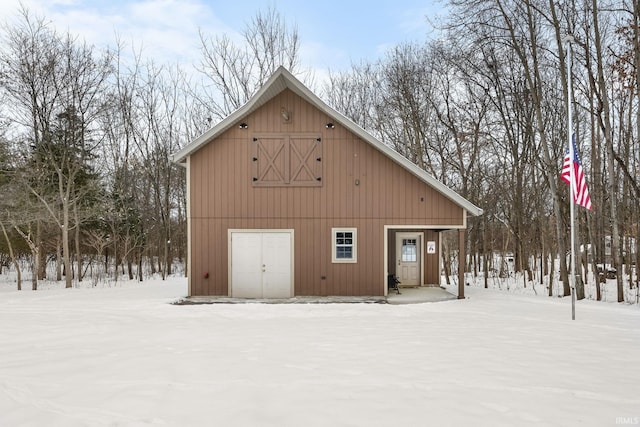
(330,126)
(243,125)
(285,114)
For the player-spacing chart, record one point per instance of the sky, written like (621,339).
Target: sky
(333,33)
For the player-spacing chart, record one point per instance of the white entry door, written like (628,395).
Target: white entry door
(408,254)
(261,264)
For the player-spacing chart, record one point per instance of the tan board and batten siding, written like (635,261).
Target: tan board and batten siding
(360,187)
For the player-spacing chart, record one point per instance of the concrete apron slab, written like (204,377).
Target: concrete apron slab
(420,295)
(294,300)
(406,296)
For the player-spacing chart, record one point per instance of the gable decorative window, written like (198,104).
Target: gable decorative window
(344,245)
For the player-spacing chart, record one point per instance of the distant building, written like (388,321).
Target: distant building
(628,245)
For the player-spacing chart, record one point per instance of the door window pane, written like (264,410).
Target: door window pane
(409,250)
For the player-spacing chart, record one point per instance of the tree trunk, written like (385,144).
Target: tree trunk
(36,265)
(58,258)
(445,261)
(636,50)
(552,274)
(579,286)
(578,261)
(77,242)
(605,123)
(115,259)
(167,262)
(485,253)
(42,266)
(66,256)
(12,256)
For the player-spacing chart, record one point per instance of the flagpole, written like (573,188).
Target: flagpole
(572,182)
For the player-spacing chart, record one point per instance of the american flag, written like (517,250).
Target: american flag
(580,190)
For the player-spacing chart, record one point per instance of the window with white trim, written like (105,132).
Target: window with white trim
(344,245)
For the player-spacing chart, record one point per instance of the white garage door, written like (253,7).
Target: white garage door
(261,264)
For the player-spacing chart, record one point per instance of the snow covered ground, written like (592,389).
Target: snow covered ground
(122,355)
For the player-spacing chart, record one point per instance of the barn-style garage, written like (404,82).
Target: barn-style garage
(287,197)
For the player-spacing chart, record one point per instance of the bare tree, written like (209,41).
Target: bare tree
(55,84)
(357,94)
(604,118)
(234,72)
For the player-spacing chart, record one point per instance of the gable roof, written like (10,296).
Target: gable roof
(282,79)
